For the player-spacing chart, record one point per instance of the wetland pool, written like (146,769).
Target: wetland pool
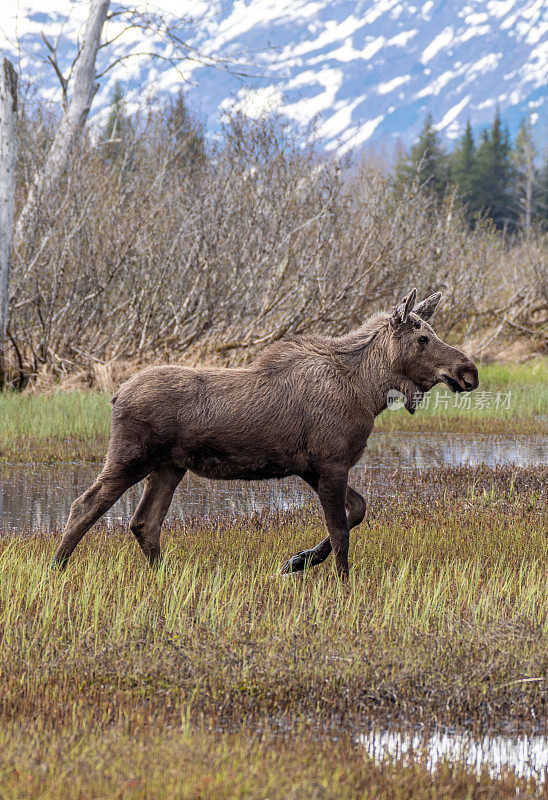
(38,496)
(526,756)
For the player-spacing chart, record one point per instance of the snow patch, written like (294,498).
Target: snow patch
(340,121)
(401,39)
(453,113)
(500,8)
(379,8)
(438,83)
(372,48)
(305,110)
(477,30)
(361,135)
(389,86)
(489,103)
(254,102)
(537,33)
(244,17)
(476,19)
(441,41)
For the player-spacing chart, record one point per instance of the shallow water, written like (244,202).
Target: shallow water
(527,756)
(38,496)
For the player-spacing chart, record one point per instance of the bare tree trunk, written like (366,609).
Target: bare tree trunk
(74,120)
(8,157)
(529,175)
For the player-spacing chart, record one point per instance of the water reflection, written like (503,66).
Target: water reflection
(527,756)
(444,450)
(37,496)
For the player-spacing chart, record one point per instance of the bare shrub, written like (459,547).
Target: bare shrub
(154,258)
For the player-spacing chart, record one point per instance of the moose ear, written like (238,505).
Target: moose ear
(402,311)
(425,309)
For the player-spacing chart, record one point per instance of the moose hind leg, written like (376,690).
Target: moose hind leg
(332,493)
(147,521)
(88,508)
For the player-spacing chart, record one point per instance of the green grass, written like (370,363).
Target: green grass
(58,426)
(510,399)
(214,677)
(62,426)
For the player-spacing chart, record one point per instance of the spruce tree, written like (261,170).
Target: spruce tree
(540,195)
(186,135)
(427,161)
(493,175)
(461,169)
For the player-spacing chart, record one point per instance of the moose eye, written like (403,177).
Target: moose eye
(423,340)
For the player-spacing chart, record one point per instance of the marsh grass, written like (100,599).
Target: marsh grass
(214,677)
(512,398)
(74,426)
(444,608)
(181,763)
(58,426)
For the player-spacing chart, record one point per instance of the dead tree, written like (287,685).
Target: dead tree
(73,122)
(8,157)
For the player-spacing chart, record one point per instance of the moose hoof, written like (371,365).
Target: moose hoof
(58,564)
(297,563)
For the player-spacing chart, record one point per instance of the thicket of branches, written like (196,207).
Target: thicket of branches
(156,250)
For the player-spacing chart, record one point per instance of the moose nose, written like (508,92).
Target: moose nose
(468,375)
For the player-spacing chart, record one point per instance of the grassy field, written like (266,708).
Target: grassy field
(213,677)
(180,764)
(61,426)
(510,399)
(216,676)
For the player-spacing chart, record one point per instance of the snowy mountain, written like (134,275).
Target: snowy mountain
(368,71)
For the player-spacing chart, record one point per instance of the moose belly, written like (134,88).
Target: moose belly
(231,467)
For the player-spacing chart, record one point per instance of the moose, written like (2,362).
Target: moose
(304,407)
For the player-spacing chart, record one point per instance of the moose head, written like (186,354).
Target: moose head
(418,356)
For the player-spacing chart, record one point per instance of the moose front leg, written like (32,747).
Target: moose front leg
(332,493)
(355,512)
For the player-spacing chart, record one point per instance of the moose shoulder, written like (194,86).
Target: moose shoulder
(305,407)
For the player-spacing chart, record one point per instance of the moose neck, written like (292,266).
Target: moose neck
(374,375)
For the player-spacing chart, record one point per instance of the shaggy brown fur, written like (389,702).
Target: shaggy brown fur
(305,407)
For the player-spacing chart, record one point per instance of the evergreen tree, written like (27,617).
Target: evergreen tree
(186,135)
(427,161)
(493,175)
(461,169)
(524,163)
(118,132)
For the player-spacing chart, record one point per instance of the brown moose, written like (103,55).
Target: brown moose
(305,407)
